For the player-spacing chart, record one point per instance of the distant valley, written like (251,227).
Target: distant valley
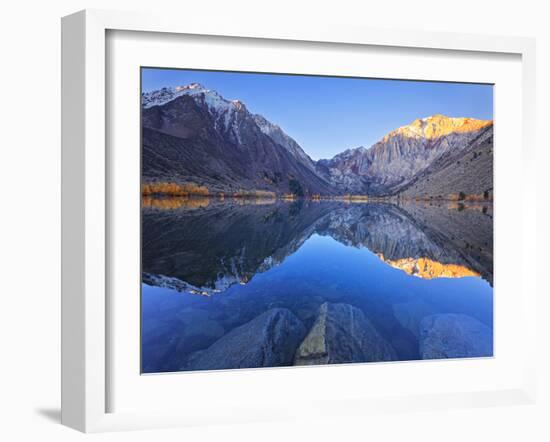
(196,141)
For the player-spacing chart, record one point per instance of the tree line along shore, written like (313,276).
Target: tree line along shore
(172,189)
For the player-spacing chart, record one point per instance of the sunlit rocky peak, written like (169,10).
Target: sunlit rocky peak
(427,268)
(438,125)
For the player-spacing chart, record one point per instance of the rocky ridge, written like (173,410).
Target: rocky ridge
(401,156)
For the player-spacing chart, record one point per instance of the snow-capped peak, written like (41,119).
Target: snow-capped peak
(227,114)
(166,94)
(222,110)
(192,86)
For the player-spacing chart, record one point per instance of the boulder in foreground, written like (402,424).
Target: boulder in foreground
(342,334)
(454,336)
(269,340)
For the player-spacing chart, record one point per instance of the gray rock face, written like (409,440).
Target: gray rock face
(269,340)
(454,336)
(342,334)
(401,156)
(280,137)
(468,171)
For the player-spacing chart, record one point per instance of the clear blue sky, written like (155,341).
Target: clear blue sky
(327,115)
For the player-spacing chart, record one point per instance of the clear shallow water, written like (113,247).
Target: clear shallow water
(213,270)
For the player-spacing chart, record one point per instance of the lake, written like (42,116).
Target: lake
(239,283)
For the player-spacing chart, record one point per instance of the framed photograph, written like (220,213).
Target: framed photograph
(268,223)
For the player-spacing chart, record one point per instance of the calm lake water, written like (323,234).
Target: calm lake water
(231,284)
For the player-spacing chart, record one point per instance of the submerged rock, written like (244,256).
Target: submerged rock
(410,314)
(269,340)
(454,336)
(342,334)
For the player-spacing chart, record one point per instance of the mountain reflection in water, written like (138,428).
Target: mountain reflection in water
(312,281)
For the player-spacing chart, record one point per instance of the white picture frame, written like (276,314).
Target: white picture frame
(86,201)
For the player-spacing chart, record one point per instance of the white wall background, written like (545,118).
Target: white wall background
(30,215)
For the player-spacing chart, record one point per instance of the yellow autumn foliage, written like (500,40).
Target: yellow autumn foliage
(173,189)
(172,203)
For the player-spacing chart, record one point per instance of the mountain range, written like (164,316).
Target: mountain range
(191,134)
